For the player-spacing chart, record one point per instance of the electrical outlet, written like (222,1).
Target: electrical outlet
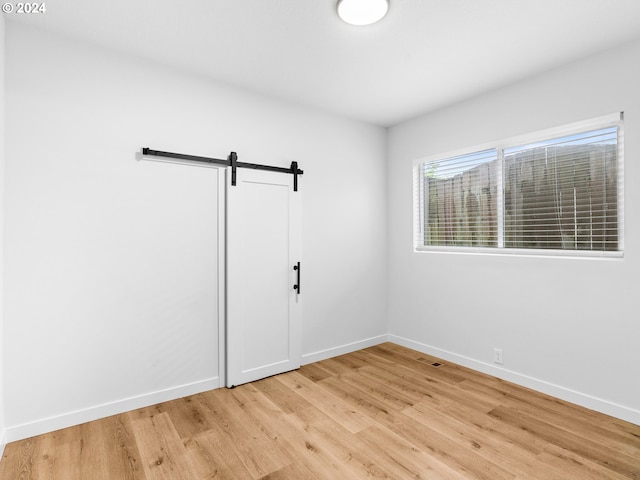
(497,356)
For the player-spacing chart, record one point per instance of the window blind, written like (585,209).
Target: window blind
(460,200)
(559,190)
(563,193)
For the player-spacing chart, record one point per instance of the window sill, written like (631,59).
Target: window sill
(520,252)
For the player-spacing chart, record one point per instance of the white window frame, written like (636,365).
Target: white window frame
(611,120)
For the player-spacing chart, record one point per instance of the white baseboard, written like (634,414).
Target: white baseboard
(45,425)
(18,432)
(2,443)
(598,404)
(50,424)
(343,349)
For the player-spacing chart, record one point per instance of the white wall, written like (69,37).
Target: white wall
(100,311)
(2,142)
(568,327)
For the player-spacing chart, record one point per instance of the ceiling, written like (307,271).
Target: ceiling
(424,55)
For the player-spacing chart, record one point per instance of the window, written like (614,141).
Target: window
(558,191)
(459,200)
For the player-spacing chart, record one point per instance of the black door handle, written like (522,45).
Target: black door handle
(297,285)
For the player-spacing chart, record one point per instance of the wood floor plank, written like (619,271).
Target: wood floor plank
(285,398)
(336,367)
(258,451)
(452,410)
(98,456)
(458,456)
(162,450)
(378,388)
(310,454)
(17,460)
(349,454)
(404,459)
(582,421)
(277,425)
(416,391)
(351,362)
(122,448)
(76,453)
(213,456)
(426,384)
(382,412)
(427,379)
(587,448)
(314,372)
(189,415)
(55,455)
(420,364)
(290,472)
(519,460)
(572,465)
(351,418)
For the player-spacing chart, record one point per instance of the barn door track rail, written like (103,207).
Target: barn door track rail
(231,161)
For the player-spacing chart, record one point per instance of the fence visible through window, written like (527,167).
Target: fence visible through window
(460,200)
(563,195)
(558,194)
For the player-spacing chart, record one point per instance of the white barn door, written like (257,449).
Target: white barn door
(263,291)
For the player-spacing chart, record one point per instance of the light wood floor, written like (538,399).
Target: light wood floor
(383,412)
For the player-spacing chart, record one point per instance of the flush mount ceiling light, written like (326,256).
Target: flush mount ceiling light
(362,12)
